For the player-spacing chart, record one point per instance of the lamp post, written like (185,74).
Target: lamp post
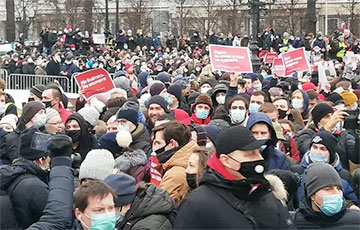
(255,26)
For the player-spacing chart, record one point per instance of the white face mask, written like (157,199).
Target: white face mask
(40,120)
(57,59)
(354,106)
(68,62)
(2,108)
(204,89)
(220,100)
(237,116)
(297,103)
(258,87)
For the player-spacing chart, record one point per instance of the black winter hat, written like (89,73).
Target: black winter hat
(335,97)
(158,100)
(236,138)
(320,175)
(326,138)
(26,138)
(60,145)
(124,186)
(176,91)
(129,114)
(156,88)
(37,90)
(320,111)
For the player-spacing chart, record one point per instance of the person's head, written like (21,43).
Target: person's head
(313,98)
(53,122)
(282,105)
(212,132)
(2,85)
(248,82)
(117,92)
(94,205)
(346,85)
(322,148)
(33,114)
(8,123)
(341,38)
(240,156)
(127,119)
(324,189)
(125,190)
(156,106)
(174,95)
(196,165)
(165,118)
(170,135)
(90,114)
(51,97)
(288,126)
(256,100)
(241,86)
(205,87)
(111,125)
(321,114)
(299,100)
(97,165)
(350,99)
(202,107)
(238,109)
(261,126)
(36,93)
(270,110)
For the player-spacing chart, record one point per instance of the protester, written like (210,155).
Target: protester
(196,165)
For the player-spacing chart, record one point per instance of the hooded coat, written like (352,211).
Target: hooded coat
(133,163)
(30,195)
(151,209)
(221,202)
(275,159)
(9,146)
(141,139)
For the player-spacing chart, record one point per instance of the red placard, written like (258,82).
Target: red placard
(269,57)
(94,81)
(295,61)
(278,67)
(155,175)
(230,59)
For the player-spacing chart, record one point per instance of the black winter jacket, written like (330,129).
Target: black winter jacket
(307,218)
(9,146)
(141,139)
(214,205)
(30,195)
(151,209)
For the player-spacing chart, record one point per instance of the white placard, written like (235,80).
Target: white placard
(99,39)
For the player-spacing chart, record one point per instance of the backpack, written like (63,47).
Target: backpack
(7,214)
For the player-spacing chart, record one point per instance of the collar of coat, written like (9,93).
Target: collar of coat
(216,165)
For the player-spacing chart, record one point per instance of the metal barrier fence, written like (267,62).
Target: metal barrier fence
(26,81)
(3,73)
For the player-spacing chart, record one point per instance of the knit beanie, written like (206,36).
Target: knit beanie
(10,119)
(158,100)
(133,105)
(50,113)
(90,114)
(122,82)
(164,77)
(98,164)
(192,97)
(30,109)
(202,99)
(108,141)
(201,135)
(212,132)
(37,90)
(334,97)
(176,91)
(129,114)
(320,175)
(26,138)
(320,111)
(156,88)
(124,186)
(349,97)
(326,138)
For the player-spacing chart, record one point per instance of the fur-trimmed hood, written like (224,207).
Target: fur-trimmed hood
(130,159)
(278,186)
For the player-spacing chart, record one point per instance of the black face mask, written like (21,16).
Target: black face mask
(31,99)
(47,104)
(191,180)
(160,150)
(282,114)
(74,134)
(253,170)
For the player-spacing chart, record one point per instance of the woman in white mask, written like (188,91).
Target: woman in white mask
(238,110)
(300,102)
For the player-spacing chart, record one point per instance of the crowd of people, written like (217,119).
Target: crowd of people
(177,145)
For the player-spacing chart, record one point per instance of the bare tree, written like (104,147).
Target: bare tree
(212,16)
(137,15)
(234,6)
(292,13)
(183,14)
(25,13)
(353,9)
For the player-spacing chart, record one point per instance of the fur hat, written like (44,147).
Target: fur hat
(130,159)
(203,99)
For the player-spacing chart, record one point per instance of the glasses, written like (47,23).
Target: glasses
(55,123)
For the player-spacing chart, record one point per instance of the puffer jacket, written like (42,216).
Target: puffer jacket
(307,218)
(151,209)
(141,139)
(346,146)
(275,159)
(30,195)
(9,146)
(132,163)
(348,191)
(174,176)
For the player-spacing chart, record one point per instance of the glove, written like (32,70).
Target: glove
(60,145)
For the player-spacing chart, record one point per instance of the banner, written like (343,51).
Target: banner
(322,66)
(295,61)
(278,67)
(99,39)
(269,58)
(155,175)
(230,59)
(7,47)
(94,81)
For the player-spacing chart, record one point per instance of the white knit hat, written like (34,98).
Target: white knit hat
(98,164)
(90,114)
(50,113)
(10,119)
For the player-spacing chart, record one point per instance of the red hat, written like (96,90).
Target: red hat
(72,46)
(68,27)
(308,86)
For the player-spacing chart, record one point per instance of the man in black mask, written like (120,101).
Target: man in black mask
(233,193)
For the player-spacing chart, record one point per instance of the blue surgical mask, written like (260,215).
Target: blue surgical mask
(332,204)
(237,116)
(168,99)
(104,221)
(318,158)
(254,108)
(202,114)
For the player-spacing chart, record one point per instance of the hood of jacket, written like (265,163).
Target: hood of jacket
(261,118)
(181,157)
(8,173)
(151,201)
(336,163)
(130,159)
